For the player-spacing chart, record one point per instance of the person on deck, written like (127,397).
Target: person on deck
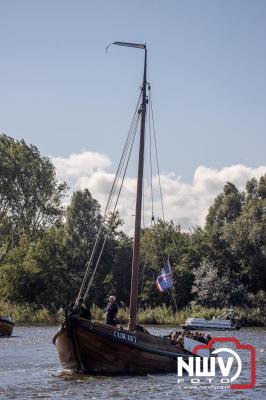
(111,311)
(80,309)
(169,335)
(208,338)
(85,312)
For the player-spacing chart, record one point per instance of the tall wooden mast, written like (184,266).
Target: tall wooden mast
(136,244)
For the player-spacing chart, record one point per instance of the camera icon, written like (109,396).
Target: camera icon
(234,355)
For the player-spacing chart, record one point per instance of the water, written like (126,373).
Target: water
(29,369)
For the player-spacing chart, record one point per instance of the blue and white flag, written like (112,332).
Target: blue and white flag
(164,280)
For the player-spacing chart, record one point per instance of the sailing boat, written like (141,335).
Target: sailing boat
(6,326)
(96,347)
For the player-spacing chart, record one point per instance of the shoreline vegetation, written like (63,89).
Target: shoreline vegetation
(160,315)
(45,246)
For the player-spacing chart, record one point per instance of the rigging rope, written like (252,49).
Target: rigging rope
(172,291)
(113,213)
(143,182)
(156,152)
(120,177)
(151,172)
(125,155)
(152,128)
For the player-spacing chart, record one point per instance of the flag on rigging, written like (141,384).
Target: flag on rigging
(164,280)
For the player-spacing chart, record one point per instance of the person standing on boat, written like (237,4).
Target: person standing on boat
(80,309)
(111,311)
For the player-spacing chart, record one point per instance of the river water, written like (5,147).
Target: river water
(29,369)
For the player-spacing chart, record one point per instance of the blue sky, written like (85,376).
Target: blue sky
(207,65)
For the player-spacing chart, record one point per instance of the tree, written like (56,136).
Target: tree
(35,272)
(30,195)
(161,241)
(246,238)
(226,207)
(83,220)
(212,289)
(235,237)
(225,210)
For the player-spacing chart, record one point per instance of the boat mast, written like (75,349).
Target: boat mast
(136,245)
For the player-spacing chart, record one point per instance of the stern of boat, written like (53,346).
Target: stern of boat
(6,327)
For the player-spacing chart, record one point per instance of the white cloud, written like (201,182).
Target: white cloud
(185,203)
(83,164)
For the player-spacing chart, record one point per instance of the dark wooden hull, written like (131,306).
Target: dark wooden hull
(6,327)
(94,347)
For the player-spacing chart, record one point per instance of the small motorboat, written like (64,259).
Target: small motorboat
(6,326)
(217,324)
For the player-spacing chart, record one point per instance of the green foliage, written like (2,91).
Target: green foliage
(83,219)
(212,289)
(162,241)
(235,233)
(117,280)
(27,313)
(226,207)
(43,255)
(35,273)
(82,223)
(30,196)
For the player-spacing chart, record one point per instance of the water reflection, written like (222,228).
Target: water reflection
(29,369)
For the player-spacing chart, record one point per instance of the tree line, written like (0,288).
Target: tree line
(44,247)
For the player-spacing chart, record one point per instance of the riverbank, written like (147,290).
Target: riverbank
(28,313)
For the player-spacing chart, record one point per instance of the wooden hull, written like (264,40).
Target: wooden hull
(65,350)
(6,328)
(94,347)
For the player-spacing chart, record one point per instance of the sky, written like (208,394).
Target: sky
(62,92)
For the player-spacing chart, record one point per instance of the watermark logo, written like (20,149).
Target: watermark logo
(224,362)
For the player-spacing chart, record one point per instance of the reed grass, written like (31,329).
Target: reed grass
(27,313)
(162,315)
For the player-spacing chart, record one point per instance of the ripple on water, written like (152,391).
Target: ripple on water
(29,369)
